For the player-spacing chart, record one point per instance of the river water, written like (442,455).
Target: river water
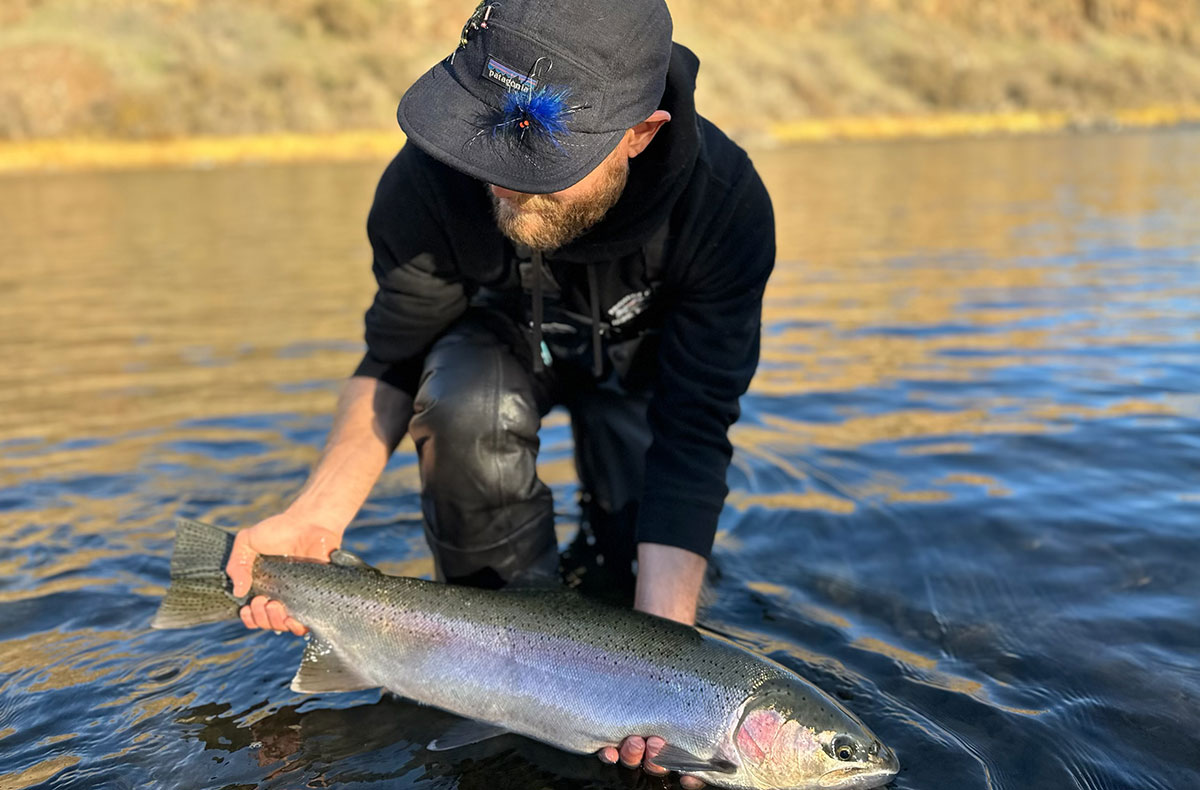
(965,496)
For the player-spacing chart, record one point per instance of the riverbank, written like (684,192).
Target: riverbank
(212,151)
(774,70)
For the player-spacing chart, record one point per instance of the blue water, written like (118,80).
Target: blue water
(965,497)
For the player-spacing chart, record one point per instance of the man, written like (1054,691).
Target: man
(560,228)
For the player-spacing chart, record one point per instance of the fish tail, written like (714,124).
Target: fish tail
(200,591)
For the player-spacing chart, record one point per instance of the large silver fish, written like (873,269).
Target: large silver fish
(551,665)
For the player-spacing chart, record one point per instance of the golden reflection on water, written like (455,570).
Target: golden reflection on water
(60,659)
(36,774)
(803,500)
(142,300)
(881,201)
(925,670)
(883,253)
(139,304)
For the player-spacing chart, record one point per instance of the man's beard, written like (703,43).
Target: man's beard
(543,223)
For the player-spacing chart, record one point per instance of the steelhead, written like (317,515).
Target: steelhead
(547,664)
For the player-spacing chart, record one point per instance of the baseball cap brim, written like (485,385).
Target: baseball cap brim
(444,120)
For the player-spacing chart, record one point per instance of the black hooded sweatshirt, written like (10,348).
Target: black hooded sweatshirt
(675,274)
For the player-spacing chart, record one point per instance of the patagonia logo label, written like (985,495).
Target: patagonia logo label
(509,78)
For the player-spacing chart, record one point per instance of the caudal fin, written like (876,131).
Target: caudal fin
(200,591)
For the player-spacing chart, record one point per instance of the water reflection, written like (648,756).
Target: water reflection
(964,497)
(377,743)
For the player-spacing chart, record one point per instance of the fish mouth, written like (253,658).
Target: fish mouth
(856,778)
(860,777)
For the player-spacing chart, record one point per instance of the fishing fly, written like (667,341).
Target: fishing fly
(478,21)
(531,117)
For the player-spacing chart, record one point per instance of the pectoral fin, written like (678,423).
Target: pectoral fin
(323,670)
(464,733)
(682,761)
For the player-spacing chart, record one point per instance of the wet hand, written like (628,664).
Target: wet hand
(636,751)
(285,535)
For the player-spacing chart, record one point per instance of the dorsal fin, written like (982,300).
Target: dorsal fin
(346,559)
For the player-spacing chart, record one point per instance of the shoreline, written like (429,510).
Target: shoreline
(954,125)
(82,155)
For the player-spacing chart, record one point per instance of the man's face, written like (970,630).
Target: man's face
(548,222)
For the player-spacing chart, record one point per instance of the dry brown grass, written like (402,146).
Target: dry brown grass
(146,69)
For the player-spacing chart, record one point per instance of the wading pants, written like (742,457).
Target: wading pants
(475,423)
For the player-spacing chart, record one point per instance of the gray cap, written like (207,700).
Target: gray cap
(539,92)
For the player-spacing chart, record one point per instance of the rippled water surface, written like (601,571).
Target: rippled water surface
(966,494)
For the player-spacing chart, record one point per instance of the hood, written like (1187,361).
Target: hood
(657,177)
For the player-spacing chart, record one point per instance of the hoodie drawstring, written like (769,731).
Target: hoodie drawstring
(535,340)
(539,364)
(594,299)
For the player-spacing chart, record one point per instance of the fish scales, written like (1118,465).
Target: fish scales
(551,660)
(548,664)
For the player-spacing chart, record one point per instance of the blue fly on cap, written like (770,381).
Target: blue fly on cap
(531,121)
(539,92)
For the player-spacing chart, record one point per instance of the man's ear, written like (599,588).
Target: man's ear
(641,135)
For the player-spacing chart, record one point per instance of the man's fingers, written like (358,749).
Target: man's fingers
(264,613)
(277,615)
(636,751)
(632,750)
(654,745)
(258,610)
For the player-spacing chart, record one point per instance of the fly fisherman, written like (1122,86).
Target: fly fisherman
(561,227)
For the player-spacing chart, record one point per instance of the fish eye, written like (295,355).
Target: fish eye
(843,748)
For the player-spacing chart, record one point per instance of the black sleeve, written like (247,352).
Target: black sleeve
(420,293)
(708,354)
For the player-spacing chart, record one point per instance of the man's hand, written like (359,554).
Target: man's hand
(637,752)
(285,535)
(370,420)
